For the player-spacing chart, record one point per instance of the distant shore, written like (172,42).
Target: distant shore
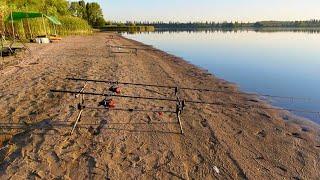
(141,29)
(263,29)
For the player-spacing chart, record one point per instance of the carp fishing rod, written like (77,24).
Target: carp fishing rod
(133,48)
(129,110)
(115,95)
(232,105)
(120,52)
(140,45)
(191,89)
(109,104)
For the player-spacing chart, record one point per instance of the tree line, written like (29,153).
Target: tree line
(231,25)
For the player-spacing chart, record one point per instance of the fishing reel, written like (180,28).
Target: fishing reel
(180,103)
(115,89)
(107,103)
(80,106)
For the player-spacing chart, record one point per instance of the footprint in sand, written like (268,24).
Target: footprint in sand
(281,169)
(204,123)
(198,158)
(54,157)
(264,114)
(123,149)
(296,135)
(296,178)
(134,159)
(262,134)
(166,158)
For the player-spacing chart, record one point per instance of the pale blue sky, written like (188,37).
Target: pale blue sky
(211,10)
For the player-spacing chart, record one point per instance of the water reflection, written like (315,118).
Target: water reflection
(233,30)
(285,63)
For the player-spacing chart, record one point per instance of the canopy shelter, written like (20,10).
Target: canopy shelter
(19,16)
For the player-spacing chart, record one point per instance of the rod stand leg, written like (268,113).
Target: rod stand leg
(179,120)
(77,121)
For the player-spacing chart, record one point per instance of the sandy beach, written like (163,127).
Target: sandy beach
(219,141)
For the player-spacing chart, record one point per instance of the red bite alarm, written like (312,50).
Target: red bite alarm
(115,89)
(111,103)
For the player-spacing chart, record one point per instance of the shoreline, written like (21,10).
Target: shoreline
(239,142)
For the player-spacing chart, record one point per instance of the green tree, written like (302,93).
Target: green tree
(55,7)
(94,14)
(51,7)
(78,9)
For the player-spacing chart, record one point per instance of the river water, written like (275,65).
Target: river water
(275,63)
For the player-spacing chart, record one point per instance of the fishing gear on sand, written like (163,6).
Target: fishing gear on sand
(109,104)
(191,89)
(115,89)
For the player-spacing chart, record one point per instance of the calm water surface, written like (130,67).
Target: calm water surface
(277,63)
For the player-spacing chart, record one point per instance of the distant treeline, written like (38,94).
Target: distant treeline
(232,25)
(128,28)
(236,30)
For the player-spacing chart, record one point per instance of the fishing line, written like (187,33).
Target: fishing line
(129,110)
(133,48)
(196,89)
(234,105)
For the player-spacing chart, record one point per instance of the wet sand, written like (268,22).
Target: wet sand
(219,141)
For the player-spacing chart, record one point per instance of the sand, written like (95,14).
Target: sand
(219,142)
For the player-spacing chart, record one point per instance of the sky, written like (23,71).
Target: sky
(209,10)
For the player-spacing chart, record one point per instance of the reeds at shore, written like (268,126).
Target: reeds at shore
(30,28)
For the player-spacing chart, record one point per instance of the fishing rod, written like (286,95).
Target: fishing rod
(233,105)
(120,52)
(109,104)
(118,82)
(133,48)
(128,110)
(192,89)
(111,95)
(142,45)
